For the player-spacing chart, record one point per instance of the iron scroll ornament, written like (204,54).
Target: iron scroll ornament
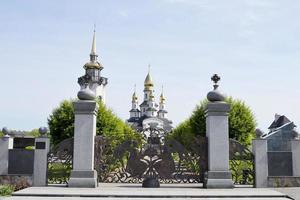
(159,157)
(60,162)
(241,162)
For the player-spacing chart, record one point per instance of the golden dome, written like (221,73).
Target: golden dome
(148,81)
(162,98)
(134,97)
(92,65)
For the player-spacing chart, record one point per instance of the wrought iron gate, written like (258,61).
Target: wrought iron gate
(158,156)
(241,161)
(162,157)
(60,162)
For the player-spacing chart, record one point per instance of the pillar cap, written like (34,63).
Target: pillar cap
(219,106)
(85,107)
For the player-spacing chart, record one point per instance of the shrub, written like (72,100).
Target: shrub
(241,123)
(6,190)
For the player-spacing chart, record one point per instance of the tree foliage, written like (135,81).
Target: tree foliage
(241,123)
(61,124)
(34,133)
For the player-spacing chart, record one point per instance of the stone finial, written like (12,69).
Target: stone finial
(86,94)
(43,131)
(6,131)
(215,95)
(259,133)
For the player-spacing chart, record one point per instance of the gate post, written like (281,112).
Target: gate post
(83,173)
(260,151)
(216,113)
(6,143)
(42,144)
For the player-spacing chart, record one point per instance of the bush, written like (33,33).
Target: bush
(61,124)
(6,190)
(241,123)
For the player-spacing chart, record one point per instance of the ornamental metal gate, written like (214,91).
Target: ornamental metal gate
(60,162)
(157,155)
(241,162)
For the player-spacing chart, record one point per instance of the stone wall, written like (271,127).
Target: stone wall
(19,181)
(283,181)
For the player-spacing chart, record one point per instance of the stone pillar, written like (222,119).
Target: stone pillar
(218,175)
(217,133)
(83,173)
(295,146)
(260,151)
(6,143)
(42,146)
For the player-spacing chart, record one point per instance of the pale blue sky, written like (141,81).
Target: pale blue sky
(253,44)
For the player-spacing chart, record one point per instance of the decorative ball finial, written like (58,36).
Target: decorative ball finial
(259,133)
(43,131)
(86,94)
(215,95)
(6,131)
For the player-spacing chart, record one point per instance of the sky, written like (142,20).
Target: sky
(254,45)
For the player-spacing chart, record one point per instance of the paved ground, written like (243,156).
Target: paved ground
(293,192)
(136,192)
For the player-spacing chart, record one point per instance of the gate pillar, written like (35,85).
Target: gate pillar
(6,143)
(42,145)
(216,113)
(83,173)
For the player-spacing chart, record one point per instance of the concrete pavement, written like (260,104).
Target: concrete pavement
(136,192)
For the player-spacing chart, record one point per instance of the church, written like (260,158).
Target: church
(149,113)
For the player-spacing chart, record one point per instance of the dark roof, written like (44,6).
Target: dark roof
(151,109)
(134,110)
(133,119)
(144,103)
(162,111)
(279,122)
(138,120)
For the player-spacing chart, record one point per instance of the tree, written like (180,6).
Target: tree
(61,124)
(34,133)
(241,123)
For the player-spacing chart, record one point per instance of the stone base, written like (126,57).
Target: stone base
(83,179)
(151,182)
(218,179)
(283,181)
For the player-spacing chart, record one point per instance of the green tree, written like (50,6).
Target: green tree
(34,133)
(61,124)
(241,123)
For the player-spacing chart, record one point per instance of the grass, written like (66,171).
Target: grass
(6,190)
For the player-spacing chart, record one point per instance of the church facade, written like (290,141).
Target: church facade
(149,113)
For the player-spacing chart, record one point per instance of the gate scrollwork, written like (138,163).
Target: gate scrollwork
(159,156)
(241,163)
(60,160)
